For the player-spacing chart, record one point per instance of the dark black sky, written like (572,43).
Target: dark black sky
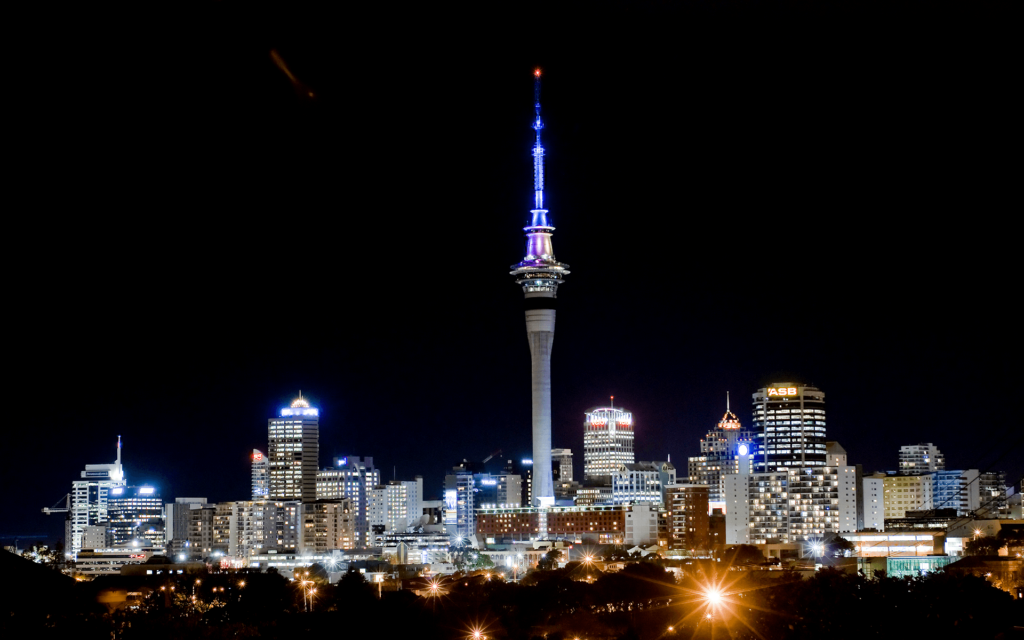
(743,196)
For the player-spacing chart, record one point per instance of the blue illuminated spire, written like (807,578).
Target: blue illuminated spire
(539,271)
(539,218)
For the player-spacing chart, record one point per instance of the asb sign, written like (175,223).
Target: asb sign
(782,391)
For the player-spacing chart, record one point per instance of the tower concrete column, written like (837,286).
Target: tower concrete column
(540,328)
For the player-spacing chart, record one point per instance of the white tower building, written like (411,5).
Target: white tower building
(540,274)
(89,499)
(607,441)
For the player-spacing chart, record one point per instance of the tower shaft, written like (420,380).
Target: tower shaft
(540,329)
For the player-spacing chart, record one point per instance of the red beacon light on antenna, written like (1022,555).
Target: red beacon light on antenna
(536,72)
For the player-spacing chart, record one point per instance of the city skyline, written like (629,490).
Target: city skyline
(717,246)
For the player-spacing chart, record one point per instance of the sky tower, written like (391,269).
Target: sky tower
(540,274)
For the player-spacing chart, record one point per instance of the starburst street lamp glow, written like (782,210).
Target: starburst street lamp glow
(713,596)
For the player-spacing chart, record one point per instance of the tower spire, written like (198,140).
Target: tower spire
(539,213)
(726,401)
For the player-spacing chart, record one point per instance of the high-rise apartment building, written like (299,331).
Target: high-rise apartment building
(178,518)
(89,499)
(294,450)
(906,493)
(789,426)
(135,513)
(607,441)
(790,504)
(720,453)
(687,515)
(260,475)
(921,459)
(873,503)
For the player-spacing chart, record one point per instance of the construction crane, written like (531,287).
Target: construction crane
(488,458)
(55,509)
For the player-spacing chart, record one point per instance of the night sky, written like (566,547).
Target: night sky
(743,196)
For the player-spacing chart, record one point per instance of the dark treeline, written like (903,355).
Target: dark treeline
(642,602)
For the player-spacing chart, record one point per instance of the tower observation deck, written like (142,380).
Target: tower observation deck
(540,274)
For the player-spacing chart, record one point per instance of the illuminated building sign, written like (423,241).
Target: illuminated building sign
(782,391)
(146,491)
(300,412)
(257,456)
(117,491)
(743,449)
(488,482)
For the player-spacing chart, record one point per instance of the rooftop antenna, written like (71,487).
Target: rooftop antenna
(118,449)
(613,402)
(727,401)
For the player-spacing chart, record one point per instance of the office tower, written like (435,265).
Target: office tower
(260,475)
(89,499)
(294,450)
(607,441)
(351,478)
(523,470)
(720,452)
(562,460)
(920,459)
(540,274)
(687,514)
(789,426)
(638,482)
(135,513)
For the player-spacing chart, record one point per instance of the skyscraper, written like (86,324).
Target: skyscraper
(540,274)
(294,449)
(789,426)
(89,497)
(607,441)
(720,452)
